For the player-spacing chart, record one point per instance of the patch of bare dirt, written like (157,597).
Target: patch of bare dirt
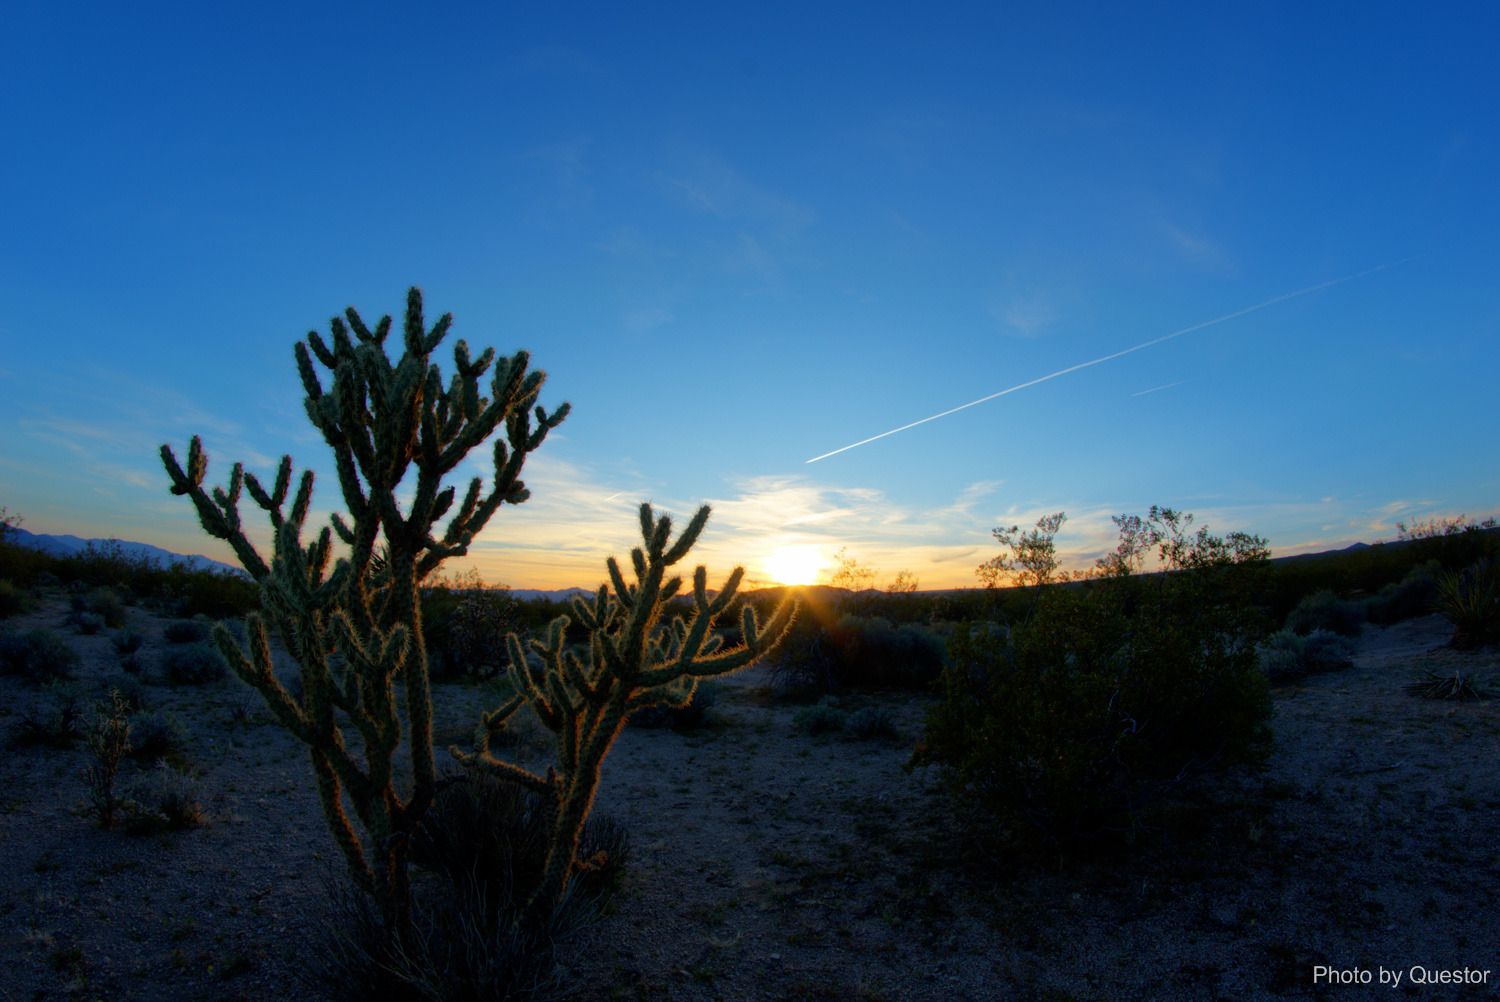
(769,864)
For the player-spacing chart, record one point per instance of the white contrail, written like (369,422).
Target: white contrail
(1119,354)
(1154,389)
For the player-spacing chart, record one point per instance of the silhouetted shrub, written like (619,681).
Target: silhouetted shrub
(1323,610)
(679,718)
(477,854)
(126,642)
(194,665)
(40,656)
(822,717)
(87,623)
(107,605)
(185,631)
(156,735)
(58,724)
(13,601)
(1414,595)
(466,632)
(1111,692)
(164,799)
(873,723)
(108,735)
(1470,600)
(1285,656)
(857,652)
(130,688)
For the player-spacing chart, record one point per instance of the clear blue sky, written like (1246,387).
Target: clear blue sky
(738,240)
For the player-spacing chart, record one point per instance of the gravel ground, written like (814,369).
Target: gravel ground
(767,864)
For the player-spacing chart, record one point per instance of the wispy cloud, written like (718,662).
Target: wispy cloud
(1158,389)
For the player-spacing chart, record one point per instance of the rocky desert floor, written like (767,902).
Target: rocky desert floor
(769,864)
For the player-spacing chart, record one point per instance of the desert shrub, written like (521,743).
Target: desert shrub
(1323,610)
(40,655)
(87,623)
(163,799)
(56,724)
(126,642)
(467,628)
(1414,595)
(131,664)
(1109,693)
(13,601)
(130,688)
(108,736)
(478,854)
(107,604)
(823,717)
(155,735)
(680,718)
(185,631)
(872,723)
(1470,600)
(857,652)
(195,665)
(1285,656)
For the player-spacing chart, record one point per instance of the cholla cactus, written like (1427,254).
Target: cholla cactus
(634,661)
(357,631)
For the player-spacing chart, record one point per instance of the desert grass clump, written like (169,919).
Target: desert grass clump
(1457,687)
(477,855)
(108,737)
(163,799)
(40,655)
(155,735)
(872,723)
(195,665)
(126,642)
(1470,600)
(185,631)
(1324,610)
(823,717)
(56,724)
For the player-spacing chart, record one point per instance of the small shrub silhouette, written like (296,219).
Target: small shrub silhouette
(13,600)
(1470,600)
(155,735)
(186,631)
(872,723)
(40,655)
(1286,656)
(822,717)
(1323,610)
(57,724)
(126,642)
(108,737)
(1414,595)
(196,665)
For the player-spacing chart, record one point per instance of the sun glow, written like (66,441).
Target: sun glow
(794,565)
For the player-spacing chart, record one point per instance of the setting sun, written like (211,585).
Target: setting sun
(794,565)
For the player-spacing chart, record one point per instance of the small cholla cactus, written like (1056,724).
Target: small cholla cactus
(634,661)
(355,628)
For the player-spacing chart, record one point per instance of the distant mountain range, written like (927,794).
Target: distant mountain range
(68,546)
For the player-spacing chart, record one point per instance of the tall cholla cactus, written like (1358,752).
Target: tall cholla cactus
(358,630)
(634,661)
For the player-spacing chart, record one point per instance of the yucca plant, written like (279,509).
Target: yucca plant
(1470,599)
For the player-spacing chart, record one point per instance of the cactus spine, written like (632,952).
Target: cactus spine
(634,661)
(357,629)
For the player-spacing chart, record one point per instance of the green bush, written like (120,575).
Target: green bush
(1414,595)
(822,717)
(186,631)
(155,735)
(1285,656)
(1109,693)
(13,601)
(107,605)
(680,718)
(194,665)
(1323,610)
(40,656)
(857,652)
(873,723)
(1470,600)
(126,642)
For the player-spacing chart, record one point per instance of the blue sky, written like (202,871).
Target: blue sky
(737,240)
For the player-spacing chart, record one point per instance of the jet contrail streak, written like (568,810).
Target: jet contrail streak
(1119,354)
